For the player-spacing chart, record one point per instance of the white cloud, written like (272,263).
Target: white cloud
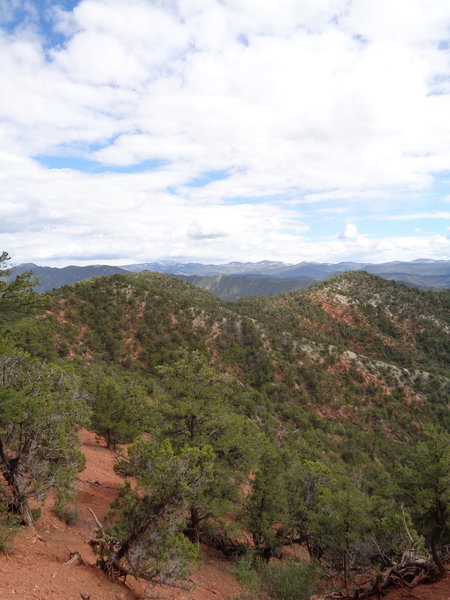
(296,101)
(416,216)
(349,232)
(410,22)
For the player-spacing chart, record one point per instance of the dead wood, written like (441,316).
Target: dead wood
(75,559)
(94,516)
(116,570)
(409,572)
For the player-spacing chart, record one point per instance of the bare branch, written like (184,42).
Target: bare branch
(94,516)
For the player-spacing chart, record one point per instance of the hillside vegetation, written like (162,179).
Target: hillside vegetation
(234,287)
(317,416)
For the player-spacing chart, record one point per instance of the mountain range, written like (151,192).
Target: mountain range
(235,280)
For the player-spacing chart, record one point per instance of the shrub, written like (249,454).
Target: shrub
(36,513)
(9,527)
(245,572)
(68,514)
(293,581)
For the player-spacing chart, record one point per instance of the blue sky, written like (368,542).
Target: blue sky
(207,130)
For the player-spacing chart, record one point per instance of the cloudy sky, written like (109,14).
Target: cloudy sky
(218,130)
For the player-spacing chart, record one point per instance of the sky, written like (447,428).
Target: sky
(224,130)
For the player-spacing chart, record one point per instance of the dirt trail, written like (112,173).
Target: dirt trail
(435,591)
(37,570)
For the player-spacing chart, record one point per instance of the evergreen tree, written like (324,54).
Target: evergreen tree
(120,406)
(426,485)
(266,506)
(16,294)
(143,536)
(40,409)
(196,409)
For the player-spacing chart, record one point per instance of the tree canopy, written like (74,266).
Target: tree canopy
(40,410)
(16,293)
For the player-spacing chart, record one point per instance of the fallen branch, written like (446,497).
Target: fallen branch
(116,570)
(409,572)
(94,516)
(75,559)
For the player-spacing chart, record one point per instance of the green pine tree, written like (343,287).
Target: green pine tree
(40,410)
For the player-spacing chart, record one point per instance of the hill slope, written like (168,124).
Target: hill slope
(37,570)
(234,287)
(355,339)
(327,397)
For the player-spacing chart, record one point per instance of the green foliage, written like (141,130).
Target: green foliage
(120,405)
(426,488)
(16,294)
(196,408)
(345,514)
(144,533)
(40,409)
(266,505)
(246,573)
(36,513)
(9,527)
(68,514)
(293,581)
(288,581)
(39,338)
(342,525)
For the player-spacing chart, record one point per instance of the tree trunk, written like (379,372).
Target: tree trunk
(435,553)
(19,504)
(25,512)
(223,543)
(193,530)
(112,562)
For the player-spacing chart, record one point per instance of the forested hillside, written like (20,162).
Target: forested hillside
(317,417)
(234,287)
(354,341)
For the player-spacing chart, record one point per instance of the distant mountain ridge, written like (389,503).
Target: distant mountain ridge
(264,267)
(54,277)
(236,280)
(418,268)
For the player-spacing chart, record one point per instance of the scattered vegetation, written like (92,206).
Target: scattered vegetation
(316,417)
(9,527)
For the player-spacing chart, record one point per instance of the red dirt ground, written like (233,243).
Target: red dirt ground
(36,570)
